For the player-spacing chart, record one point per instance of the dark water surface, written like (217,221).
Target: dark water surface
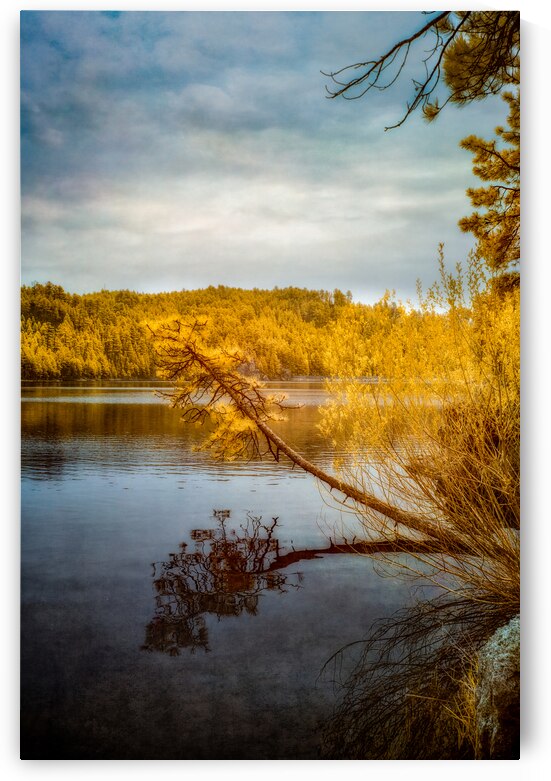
(171,605)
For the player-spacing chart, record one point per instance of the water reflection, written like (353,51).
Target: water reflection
(101,437)
(224,575)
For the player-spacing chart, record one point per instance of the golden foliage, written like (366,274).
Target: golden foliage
(439,432)
(104,334)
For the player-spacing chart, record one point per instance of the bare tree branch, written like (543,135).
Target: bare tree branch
(477,52)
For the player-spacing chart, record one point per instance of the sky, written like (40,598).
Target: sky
(176,150)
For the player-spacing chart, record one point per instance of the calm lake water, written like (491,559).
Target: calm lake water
(171,606)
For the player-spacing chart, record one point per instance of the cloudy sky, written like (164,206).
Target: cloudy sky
(162,151)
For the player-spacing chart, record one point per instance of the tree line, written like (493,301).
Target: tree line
(286,332)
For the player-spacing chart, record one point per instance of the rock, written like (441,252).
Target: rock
(498,694)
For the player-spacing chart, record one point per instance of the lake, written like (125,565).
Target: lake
(172,607)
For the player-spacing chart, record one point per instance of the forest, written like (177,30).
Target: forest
(283,332)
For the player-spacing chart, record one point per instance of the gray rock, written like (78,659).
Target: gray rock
(498,694)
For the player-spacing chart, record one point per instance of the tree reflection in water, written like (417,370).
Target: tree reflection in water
(227,572)
(224,576)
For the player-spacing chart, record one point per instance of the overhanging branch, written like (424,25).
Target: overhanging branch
(180,356)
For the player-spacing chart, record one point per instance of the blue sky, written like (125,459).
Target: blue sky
(162,151)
